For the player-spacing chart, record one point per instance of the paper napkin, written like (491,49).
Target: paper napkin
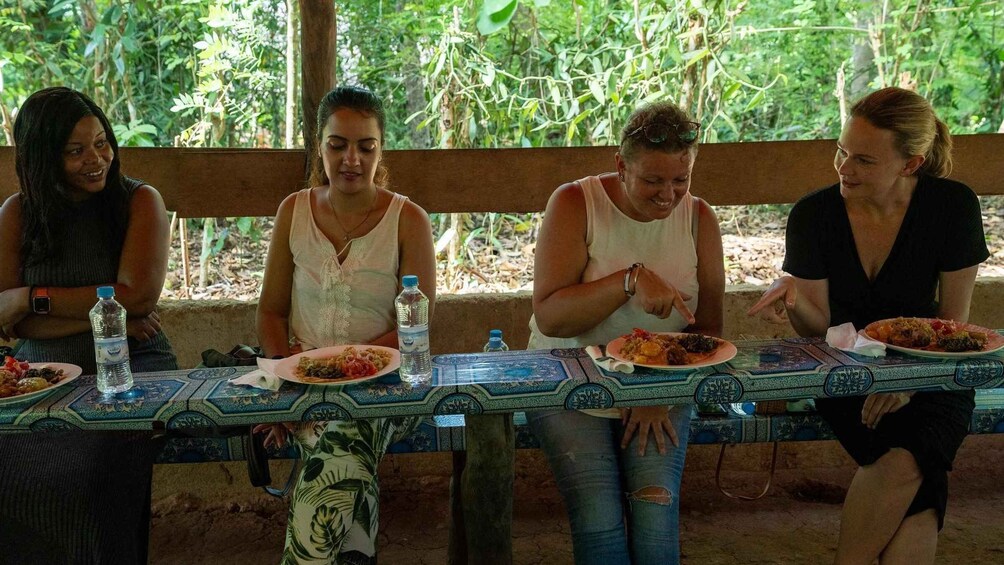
(263,377)
(608,363)
(846,338)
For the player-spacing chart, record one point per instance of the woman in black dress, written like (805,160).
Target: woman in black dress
(76,224)
(894,237)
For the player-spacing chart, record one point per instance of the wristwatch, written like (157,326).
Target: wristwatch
(40,303)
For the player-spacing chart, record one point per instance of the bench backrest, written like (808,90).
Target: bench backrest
(251,182)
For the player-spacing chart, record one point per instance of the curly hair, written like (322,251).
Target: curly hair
(355,98)
(42,128)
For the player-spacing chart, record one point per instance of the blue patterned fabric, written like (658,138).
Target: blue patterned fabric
(500,382)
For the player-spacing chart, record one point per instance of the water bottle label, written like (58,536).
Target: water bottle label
(414,339)
(111,350)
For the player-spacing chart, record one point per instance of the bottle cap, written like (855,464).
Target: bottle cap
(106,292)
(409,281)
(495,333)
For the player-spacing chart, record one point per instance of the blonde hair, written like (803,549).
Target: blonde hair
(916,129)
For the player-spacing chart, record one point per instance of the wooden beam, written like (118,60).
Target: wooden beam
(317,64)
(252,182)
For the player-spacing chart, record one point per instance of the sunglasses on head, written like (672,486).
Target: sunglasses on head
(659,132)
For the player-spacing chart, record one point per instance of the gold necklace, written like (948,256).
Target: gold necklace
(359,225)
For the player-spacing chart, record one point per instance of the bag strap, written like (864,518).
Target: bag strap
(766,486)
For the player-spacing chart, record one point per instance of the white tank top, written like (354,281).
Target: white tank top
(616,241)
(348,302)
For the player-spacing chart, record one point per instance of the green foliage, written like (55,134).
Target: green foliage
(506,73)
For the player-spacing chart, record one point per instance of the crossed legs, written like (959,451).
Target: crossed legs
(874,525)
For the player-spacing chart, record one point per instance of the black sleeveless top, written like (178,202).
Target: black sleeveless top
(84,254)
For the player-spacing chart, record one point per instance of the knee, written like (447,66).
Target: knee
(658,495)
(898,465)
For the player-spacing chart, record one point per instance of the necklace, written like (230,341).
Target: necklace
(348,233)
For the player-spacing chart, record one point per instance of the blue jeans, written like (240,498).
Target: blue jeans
(600,484)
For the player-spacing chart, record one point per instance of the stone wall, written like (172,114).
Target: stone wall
(461,322)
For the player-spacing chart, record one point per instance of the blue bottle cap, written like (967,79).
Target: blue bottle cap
(106,292)
(409,281)
(495,333)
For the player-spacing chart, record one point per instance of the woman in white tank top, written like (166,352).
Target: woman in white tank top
(618,251)
(337,253)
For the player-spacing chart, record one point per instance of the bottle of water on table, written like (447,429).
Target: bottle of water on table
(413,332)
(495,342)
(111,347)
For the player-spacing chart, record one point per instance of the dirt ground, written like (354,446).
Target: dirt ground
(796,524)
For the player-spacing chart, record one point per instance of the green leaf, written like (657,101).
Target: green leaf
(756,100)
(472,128)
(495,15)
(312,468)
(245,224)
(488,77)
(597,90)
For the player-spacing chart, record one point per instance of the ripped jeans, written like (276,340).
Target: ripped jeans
(601,483)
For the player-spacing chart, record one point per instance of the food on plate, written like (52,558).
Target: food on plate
(351,363)
(648,348)
(963,341)
(17,377)
(929,335)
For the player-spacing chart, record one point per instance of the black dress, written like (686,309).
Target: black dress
(79,497)
(942,231)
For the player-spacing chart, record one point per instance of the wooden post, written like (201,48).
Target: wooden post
(317,68)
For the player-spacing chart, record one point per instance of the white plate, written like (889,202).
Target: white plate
(286,369)
(726,351)
(995,342)
(70,373)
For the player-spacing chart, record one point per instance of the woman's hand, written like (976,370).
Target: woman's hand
(145,328)
(643,419)
(659,298)
(13,309)
(275,434)
(773,306)
(882,403)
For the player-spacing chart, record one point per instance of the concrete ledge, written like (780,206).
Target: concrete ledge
(461,321)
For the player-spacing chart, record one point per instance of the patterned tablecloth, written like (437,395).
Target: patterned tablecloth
(498,382)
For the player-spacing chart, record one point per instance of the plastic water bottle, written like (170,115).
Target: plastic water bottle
(111,347)
(413,332)
(495,342)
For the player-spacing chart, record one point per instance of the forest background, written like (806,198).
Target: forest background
(502,73)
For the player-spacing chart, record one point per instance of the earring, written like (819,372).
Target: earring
(620,176)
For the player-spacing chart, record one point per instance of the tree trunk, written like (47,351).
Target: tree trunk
(414,88)
(863,58)
(290,74)
(317,44)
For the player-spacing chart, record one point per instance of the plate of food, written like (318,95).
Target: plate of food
(20,381)
(932,337)
(670,350)
(339,365)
